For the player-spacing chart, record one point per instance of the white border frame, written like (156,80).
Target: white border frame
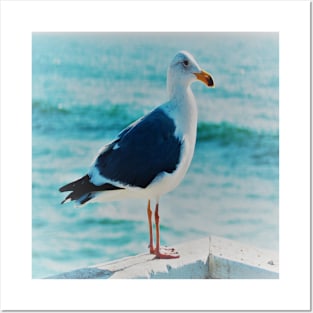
(291,19)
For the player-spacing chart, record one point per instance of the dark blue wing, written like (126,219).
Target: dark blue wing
(142,151)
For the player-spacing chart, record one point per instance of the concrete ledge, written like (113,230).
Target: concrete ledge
(211,257)
(231,259)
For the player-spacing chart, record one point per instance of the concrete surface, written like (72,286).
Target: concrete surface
(211,257)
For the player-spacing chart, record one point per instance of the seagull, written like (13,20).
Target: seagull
(151,156)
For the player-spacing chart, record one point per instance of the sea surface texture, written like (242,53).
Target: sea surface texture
(87,87)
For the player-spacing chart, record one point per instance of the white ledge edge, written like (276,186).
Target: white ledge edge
(210,257)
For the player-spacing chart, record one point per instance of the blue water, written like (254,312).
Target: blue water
(87,87)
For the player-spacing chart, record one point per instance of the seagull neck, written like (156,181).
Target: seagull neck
(183,104)
(178,93)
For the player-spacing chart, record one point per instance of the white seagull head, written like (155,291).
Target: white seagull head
(184,70)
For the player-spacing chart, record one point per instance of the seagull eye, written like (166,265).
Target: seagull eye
(186,63)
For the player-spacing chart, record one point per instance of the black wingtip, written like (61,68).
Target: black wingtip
(69,197)
(82,190)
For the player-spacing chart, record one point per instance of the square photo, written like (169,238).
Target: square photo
(155,155)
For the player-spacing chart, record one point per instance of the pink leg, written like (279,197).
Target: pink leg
(160,252)
(149,212)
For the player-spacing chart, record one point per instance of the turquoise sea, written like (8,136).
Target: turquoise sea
(86,87)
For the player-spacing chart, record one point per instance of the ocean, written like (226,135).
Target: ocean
(86,87)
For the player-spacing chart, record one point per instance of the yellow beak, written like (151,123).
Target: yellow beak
(206,78)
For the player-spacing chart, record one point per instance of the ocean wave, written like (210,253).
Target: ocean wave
(227,133)
(72,121)
(94,121)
